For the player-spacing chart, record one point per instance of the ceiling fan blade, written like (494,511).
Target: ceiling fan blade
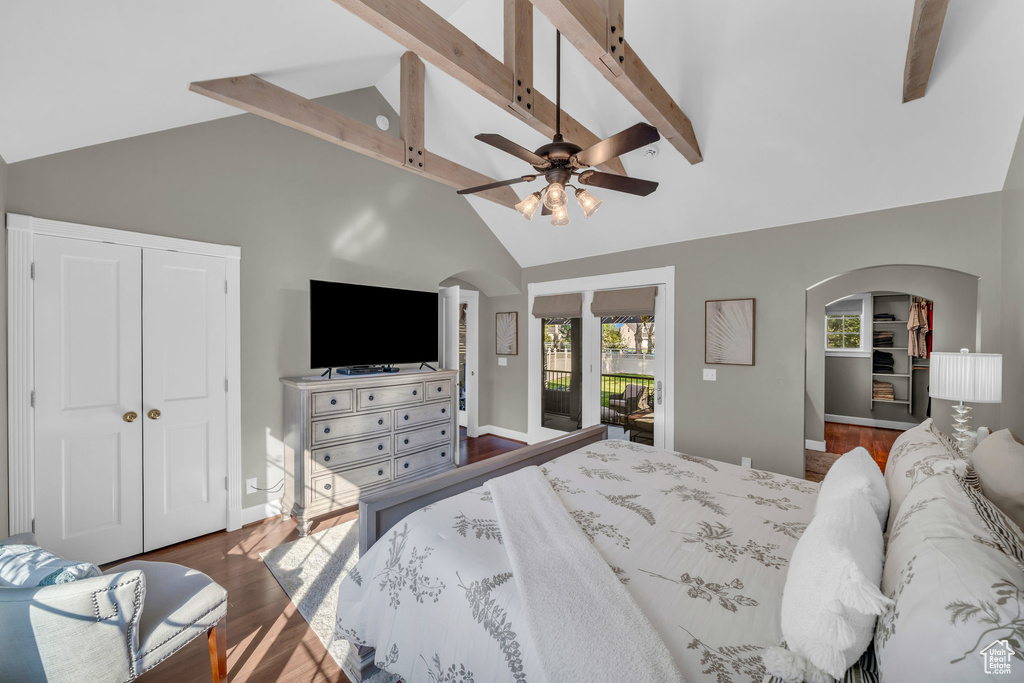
(634,137)
(545,211)
(500,183)
(619,183)
(509,147)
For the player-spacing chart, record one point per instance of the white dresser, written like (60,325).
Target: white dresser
(348,437)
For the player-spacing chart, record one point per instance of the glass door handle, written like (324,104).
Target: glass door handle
(659,392)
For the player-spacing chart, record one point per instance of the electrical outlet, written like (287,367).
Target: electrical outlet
(250,486)
(745,462)
(709,374)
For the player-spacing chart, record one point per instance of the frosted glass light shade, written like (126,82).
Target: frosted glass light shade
(972,377)
(528,206)
(560,217)
(588,202)
(555,197)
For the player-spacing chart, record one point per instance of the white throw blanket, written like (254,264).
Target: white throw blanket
(583,623)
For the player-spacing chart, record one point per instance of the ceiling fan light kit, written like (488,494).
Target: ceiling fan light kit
(560,160)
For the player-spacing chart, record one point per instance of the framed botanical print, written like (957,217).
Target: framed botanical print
(506,333)
(729,332)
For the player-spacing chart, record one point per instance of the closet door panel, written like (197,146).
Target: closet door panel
(88,366)
(185,449)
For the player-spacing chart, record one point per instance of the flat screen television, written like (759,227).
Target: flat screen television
(362,325)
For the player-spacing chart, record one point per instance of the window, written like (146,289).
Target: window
(847,326)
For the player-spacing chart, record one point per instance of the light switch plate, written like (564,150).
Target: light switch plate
(502,361)
(709,374)
(745,462)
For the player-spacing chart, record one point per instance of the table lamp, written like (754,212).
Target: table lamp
(974,377)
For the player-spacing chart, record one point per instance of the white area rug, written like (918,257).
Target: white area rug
(309,570)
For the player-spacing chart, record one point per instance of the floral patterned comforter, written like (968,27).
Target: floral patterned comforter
(702,546)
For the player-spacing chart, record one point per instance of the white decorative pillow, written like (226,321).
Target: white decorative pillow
(831,599)
(29,565)
(856,471)
(917,454)
(999,462)
(954,589)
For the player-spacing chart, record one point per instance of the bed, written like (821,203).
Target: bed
(703,550)
(700,545)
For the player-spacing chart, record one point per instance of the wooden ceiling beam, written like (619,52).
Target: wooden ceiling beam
(585,23)
(925,29)
(518,45)
(411,126)
(422,30)
(257,96)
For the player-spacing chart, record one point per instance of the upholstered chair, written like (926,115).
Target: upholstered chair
(113,627)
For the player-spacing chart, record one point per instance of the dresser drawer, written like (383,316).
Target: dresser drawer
(333,457)
(327,402)
(390,396)
(439,389)
(346,484)
(425,436)
(417,415)
(355,425)
(417,462)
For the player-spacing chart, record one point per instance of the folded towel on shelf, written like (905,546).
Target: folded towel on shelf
(882,391)
(884,316)
(882,361)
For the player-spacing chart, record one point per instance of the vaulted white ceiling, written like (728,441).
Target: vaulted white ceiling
(796,104)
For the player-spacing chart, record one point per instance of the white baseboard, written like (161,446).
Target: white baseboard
(504,433)
(869,422)
(814,445)
(258,513)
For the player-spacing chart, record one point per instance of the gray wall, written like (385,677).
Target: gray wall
(3,352)
(1013,292)
(759,411)
(503,388)
(841,386)
(299,207)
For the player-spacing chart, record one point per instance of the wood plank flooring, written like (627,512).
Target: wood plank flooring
(841,438)
(268,640)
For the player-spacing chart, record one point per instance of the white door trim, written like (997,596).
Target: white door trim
(20,380)
(471,297)
(666,340)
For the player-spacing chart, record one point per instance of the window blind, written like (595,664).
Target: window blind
(558,306)
(616,302)
(853,305)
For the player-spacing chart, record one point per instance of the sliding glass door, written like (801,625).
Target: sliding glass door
(562,374)
(627,377)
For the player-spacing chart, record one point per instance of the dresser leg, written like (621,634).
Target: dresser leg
(304,524)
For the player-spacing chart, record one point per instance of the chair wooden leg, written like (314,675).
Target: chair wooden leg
(218,641)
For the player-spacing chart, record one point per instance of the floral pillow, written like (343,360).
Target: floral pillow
(917,454)
(955,589)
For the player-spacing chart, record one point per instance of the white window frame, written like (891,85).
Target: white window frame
(865,331)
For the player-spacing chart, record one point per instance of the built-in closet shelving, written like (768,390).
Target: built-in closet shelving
(902,376)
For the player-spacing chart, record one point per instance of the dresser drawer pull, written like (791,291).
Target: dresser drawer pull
(407,441)
(380,472)
(413,392)
(439,390)
(327,458)
(380,421)
(443,432)
(406,465)
(380,447)
(327,487)
(443,454)
(370,397)
(334,401)
(327,430)
(444,410)
(406,417)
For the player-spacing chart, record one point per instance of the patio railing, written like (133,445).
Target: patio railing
(556,395)
(556,392)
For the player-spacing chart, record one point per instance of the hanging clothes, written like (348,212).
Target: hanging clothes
(917,326)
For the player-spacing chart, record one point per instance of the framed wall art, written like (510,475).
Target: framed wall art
(729,332)
(506,333)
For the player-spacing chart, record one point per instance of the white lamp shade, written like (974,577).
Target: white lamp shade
(970,377)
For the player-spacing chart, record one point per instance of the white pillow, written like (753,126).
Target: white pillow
(831,599)
(29,565)
(916,455)
(999,462)
(856,471)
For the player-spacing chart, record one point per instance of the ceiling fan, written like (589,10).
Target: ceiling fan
(560,161)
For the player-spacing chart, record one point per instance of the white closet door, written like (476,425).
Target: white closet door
(449,302)
(88,367)
(185,443)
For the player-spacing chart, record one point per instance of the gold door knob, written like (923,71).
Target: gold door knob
(153,414)
(130,416)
